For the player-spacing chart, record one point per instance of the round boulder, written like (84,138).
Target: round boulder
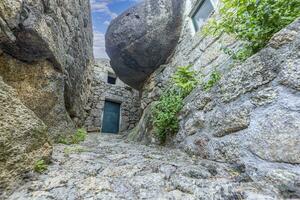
(142,38)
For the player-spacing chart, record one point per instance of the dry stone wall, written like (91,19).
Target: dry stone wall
(203,53)
(119,93)
(251,116)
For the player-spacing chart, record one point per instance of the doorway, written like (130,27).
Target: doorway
(111,117)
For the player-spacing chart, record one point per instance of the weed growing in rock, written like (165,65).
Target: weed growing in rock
(253,22)
(40,166)
(215,76)
(63,140)
(165,112)
(76,149)
(78,137)
(185,79)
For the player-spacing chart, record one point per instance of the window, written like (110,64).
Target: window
(111,79)
(202,12)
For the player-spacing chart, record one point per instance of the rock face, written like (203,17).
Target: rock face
(23,139)
(142,38)
(41,88)
(55,37)
(46,57)
(250,117)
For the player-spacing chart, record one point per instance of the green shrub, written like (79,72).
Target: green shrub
(40,166)
(165,112)
(253,21)
(78,137)
(215,76)
(185,79)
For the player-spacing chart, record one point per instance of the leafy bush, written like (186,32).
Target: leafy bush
(215,76)
(40,166)
(185,79)
(165,112)
(253,21)
(78,137)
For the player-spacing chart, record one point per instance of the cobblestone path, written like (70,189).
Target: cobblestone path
(107,167)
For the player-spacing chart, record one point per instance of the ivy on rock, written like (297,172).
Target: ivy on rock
(165,112)
(253,22)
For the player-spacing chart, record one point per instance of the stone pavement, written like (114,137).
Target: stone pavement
(108,167)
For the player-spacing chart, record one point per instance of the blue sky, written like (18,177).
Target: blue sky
(103,11)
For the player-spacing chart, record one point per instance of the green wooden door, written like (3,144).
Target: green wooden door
(111,117)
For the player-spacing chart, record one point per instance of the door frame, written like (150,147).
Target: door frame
(121,112)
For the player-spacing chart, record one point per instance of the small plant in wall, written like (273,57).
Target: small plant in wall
(185,79)
(74,149)
(253,22)
(40,166)
(77,137)
(165,112)
(215,77)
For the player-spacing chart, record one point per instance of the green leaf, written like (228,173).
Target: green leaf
(253,22)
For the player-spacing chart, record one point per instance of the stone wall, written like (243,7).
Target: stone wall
(203,53)
(250,118)
(119,93)
(47,57)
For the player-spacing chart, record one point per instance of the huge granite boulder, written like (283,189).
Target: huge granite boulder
(23,139)
(59,32)
(142,38)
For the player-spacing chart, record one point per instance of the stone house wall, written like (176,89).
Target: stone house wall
(202,52)
(119,93)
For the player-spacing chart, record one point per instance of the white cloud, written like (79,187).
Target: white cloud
(102,7)
(99,45)
(106,22)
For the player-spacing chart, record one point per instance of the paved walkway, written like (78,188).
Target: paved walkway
(106,167)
